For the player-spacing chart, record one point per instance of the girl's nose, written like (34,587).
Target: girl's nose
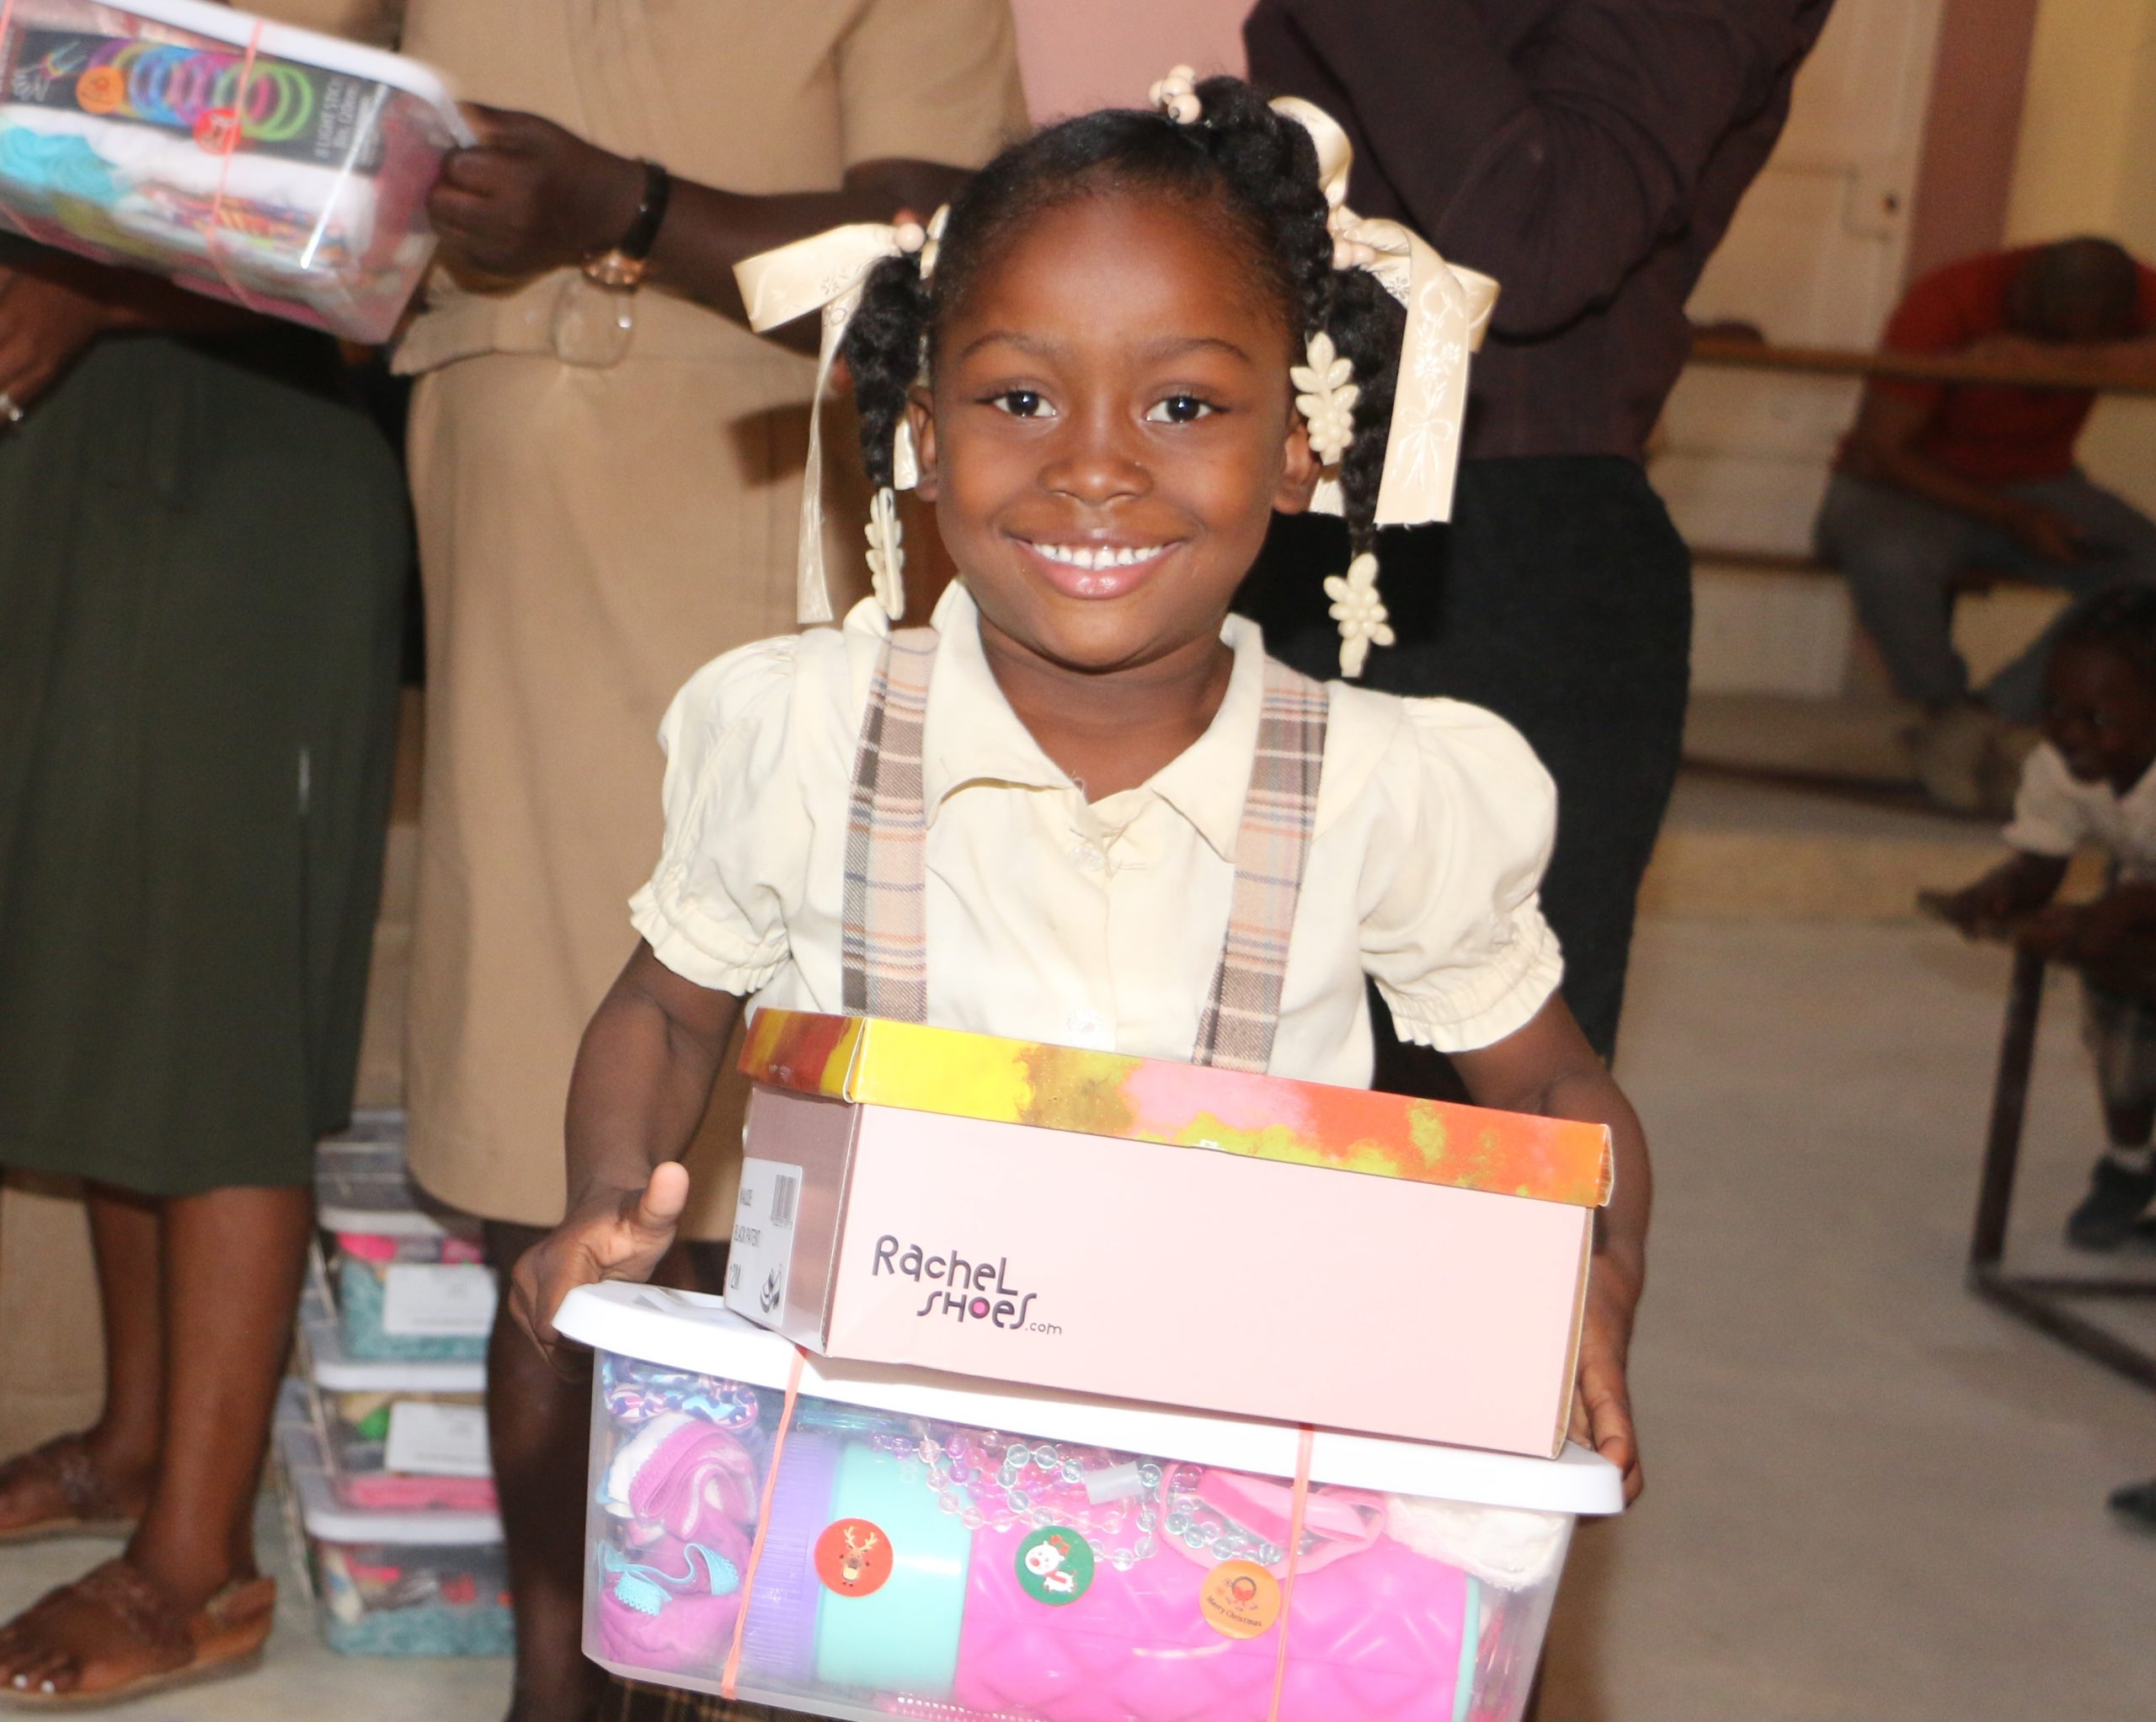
(1095,460)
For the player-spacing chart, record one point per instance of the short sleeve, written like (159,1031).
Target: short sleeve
(2049,816)
(931,81)
(1451,927)
(737,834)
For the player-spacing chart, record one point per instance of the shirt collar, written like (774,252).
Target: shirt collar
(970,735)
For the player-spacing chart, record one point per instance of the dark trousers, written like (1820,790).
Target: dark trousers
(1560,596)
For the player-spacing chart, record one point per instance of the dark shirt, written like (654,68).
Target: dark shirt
(1588,153)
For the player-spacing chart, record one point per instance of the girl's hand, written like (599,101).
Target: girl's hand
(614,1234)
(2051,932)
(1602,1402)
(530,196)
(44,328)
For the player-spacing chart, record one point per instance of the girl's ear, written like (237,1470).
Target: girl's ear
(1299,469)
(920,415)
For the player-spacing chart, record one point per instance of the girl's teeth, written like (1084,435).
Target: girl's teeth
(1081,556)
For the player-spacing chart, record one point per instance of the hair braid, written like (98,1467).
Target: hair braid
(883,345)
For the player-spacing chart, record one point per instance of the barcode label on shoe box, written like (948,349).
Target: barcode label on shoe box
(433,1300)
(762,1249)
(429,1440)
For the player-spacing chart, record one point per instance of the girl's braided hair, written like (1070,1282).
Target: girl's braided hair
(2123,620)
(1252,171)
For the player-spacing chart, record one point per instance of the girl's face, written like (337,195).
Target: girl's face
(1110,429)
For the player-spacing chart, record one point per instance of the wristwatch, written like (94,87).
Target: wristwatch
(625,265)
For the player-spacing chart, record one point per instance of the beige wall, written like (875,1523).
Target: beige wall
(2087,163)
(1078,55)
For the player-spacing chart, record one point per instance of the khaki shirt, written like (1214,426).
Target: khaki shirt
(752,96)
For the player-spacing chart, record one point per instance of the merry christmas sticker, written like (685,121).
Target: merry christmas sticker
(1239,1599)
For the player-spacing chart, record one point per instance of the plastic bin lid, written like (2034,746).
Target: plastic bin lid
(328,1520)
(285,41)
(361,1183)
(690,1330)
(323,1345)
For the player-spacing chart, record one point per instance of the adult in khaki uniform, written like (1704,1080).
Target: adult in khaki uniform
(607,485)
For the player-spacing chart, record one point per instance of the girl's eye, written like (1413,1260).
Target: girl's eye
(1180,409)
(1022,403)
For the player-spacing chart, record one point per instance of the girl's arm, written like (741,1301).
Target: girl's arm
(1548,1069)
(643,1079)
(2012,887)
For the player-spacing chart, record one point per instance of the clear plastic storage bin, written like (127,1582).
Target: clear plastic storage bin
(408,1282)
(392,1583)
(253,162)
(938,1547)
(396,1434)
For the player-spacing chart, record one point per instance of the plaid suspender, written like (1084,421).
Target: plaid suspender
(883,949)
(1242,1012)
(883,952)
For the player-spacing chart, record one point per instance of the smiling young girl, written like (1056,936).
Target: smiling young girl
(1084,807)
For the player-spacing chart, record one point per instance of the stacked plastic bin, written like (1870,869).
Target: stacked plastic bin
(382,1438)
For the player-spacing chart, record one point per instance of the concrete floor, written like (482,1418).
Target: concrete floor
(1870,1496)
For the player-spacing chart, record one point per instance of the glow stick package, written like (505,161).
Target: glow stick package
(253,162)
(863,1541)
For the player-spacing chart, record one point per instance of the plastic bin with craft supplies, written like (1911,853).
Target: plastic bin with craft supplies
(862,1541)
(1033,1213)
(257,162)
(389,1583)
(395,1435)
(408,1282)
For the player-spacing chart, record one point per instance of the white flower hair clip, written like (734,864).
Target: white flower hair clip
(1176,96)
(887,553)
(1364,619)
(1326,396)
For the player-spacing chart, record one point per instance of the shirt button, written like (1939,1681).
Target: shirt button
(1086,1029)
(1088,856)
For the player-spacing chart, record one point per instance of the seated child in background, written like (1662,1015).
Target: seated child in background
(1106,425)
(2090,781)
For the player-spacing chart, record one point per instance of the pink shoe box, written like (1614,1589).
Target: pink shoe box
(880,1541)
(1151,1230)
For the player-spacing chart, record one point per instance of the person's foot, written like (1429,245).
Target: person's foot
(70,1487)
(1954,754)
(2137,1503)
(2119,1192)
(117,1633)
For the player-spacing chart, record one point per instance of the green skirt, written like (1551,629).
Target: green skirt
(202,557)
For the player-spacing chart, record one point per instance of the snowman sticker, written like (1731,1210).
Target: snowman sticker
(1056,1565)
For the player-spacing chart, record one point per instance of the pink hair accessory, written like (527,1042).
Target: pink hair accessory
(683,1475)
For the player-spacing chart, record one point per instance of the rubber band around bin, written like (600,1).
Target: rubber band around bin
(730,1675)
(1304,1444)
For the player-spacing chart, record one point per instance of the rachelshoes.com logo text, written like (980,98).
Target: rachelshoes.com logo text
(962,1290)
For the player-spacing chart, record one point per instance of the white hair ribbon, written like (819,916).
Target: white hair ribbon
(1447,310)
(823,273)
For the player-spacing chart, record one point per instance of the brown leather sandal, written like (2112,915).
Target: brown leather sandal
(161,1648)
(65,1464)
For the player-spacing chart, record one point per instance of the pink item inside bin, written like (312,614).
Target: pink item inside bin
(400,1492)
(672,1606)
(1375,1635)
(685,1476)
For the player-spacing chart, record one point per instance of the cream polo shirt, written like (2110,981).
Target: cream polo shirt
(2055,814)
(1100,925)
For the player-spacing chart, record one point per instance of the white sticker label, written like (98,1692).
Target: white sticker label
(430,1300)
(438,1441)
(763,1240)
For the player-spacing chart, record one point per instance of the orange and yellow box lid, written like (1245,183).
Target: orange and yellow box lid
(873,1062)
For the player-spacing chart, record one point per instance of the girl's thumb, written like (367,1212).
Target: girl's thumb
(667,1193)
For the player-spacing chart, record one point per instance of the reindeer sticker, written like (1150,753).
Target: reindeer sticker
(853,1558)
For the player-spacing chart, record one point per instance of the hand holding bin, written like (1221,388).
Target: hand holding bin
(857,1540)
(272,166)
